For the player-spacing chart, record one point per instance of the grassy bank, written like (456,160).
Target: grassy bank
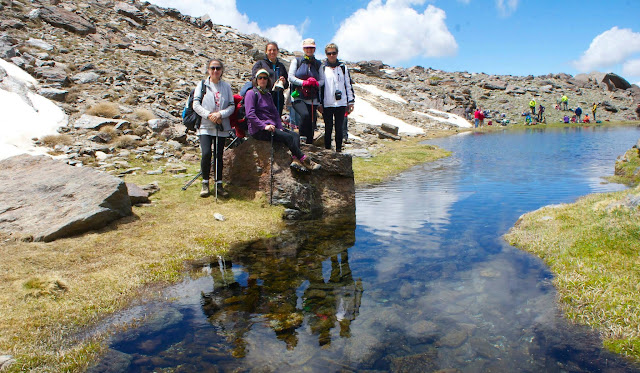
(393,157)
(50,292)
(593,248)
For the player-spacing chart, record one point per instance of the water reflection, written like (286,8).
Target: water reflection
(282,282)
(420,281)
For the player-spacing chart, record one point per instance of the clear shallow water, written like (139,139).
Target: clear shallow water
(419,281)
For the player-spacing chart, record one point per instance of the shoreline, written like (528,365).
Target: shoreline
(53,292)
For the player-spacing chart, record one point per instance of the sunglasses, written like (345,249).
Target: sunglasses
(215,67)
(332,53)
(262,77)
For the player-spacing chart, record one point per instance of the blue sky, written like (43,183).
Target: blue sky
(515,37)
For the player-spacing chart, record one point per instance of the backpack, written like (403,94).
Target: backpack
(190,118)
(309,93)
(240,112)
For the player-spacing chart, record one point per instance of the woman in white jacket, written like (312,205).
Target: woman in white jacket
(337,96)
(214,107)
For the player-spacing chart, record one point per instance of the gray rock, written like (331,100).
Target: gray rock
(59,95)
(494,85)
(131,12)
(6,361)
(114,361)
(11,24)
(386,135)
(137,194)
(69,21)
(326,191)
(53,75)
(92,122)
(615,81)
(44,199)
(39,43)
(85,77)
(101,137)
(7,49)
(145,50)
(390,128)
(157,125)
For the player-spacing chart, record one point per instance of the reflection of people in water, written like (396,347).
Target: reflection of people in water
(275,274)
(334,301)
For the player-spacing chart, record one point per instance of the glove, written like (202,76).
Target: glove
(311,82)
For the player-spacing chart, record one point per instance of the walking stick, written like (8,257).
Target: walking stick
(188,184)
(215,172)
(271,173)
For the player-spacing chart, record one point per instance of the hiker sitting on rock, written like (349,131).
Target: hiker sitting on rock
(215,108)
(265,124)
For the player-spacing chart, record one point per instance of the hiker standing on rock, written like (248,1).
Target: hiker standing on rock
(277,73)
(215,108)
(593,110)
(307,78)
(565,102)
(337,96)
(265,123)
(476,117)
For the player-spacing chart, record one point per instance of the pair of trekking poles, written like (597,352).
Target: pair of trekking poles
(214,163)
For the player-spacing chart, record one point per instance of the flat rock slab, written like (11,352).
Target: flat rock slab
(92,122)
(44,199)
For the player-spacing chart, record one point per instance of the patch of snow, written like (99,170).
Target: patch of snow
(364,112)
(25,114)
(452,119)
(379,92)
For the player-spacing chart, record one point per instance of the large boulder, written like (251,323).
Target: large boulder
(615,81)
(44,199)
(67,20)
(328,191)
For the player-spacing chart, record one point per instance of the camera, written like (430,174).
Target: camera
(338,95)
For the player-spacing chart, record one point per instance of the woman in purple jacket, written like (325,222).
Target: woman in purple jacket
(264,121)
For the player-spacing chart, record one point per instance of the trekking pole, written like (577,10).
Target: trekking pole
(271,172)
(215,171)
(188,184)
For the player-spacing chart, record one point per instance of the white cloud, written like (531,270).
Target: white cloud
(631,68)
(506,7)
(609,48)
(225,12)
(394,31)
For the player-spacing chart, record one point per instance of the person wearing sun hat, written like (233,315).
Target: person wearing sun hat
(264,121)
(306,78)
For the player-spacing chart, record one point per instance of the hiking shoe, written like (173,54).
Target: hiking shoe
(296,164)
(221,192)
(205,190)
(310,165)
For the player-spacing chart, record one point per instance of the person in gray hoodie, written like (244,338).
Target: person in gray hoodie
(214,107)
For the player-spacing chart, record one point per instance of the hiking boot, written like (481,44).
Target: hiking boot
(296,164)
(310,165)
(221,192)
(205,190)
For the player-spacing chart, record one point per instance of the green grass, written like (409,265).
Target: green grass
(593,247)
(393,158)
(627,168)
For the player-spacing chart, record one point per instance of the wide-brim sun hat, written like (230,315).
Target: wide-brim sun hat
(308,43)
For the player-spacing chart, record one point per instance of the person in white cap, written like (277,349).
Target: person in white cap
(307,78)
(265,123)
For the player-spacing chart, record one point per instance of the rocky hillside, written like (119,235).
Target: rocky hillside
(137,62)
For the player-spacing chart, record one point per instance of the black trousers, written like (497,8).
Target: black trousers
(289,138)
(308,116)
(333,116)
(206,143)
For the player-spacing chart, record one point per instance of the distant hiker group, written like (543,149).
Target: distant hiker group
(314,86)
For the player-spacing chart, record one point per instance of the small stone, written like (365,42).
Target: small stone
(219,217)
